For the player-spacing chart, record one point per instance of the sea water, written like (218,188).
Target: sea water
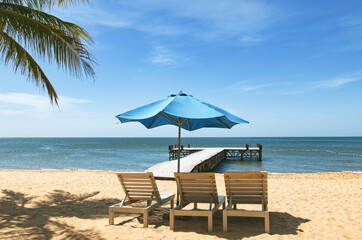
(280,155)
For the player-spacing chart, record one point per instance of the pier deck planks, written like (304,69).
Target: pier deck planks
(165,170)
(191,162)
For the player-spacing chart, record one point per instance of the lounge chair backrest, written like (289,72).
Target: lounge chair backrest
(196,188)
(246,187)
(139,186)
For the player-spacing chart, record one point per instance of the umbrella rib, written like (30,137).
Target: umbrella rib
(155,121)
(168,117)
(221,123)
(186,120)
(188,125)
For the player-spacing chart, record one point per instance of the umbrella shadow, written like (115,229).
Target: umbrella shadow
(38,221)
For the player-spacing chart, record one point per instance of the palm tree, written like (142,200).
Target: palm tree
(25,28)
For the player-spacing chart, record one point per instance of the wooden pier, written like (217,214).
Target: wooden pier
(201,159)
(231,153)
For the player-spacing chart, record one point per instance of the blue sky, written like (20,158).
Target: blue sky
(291,68)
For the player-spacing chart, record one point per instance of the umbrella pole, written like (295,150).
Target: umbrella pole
(178,157)
(179,148)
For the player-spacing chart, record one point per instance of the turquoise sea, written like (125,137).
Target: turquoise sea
(280,155)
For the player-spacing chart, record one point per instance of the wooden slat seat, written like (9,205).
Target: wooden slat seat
(196,188)
(139,187)
(246,188)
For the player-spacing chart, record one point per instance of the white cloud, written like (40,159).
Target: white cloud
(30,115)
(333,83)
(34,105)
(10,112)
(325,84)
(207,19)
(93,15)
(247,86)
(162,56)
(289,88)
(352,33)
(249,39)
(24,99)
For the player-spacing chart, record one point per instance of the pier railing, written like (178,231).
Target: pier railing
(230,153)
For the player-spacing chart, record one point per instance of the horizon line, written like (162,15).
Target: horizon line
(203,137)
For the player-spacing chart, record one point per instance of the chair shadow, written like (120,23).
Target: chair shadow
(156,218)
(281,223)
(37,221)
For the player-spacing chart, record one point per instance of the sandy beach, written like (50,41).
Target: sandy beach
(74,205)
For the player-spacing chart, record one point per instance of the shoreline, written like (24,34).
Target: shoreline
(111,171)
(198,137)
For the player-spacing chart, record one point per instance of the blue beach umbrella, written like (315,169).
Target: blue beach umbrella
(181,110)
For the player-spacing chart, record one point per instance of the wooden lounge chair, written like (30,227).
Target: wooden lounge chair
(196,188)
(139,187)
(246,188)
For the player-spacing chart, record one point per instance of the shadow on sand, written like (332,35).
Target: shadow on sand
(26,217)
(281,223)
(38,221)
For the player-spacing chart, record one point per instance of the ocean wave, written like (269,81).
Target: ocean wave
(294,150)
(316,150)
(344,153)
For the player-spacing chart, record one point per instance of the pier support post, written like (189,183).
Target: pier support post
(260,151)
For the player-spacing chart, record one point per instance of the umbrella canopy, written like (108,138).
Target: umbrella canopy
(181,110)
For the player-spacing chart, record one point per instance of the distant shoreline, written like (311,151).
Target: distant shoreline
(188,137)
(110,171)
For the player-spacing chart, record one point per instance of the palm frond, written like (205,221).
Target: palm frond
(14,54)
(69,52)
(43,4)
(70,28)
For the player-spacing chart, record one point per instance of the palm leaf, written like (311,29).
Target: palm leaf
(23,25)
(42,4)
(50,20)
(68,52)
(13,53)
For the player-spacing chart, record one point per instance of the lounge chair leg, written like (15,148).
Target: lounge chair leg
(145,219)
(111,216)
(172,221)
(171,203)
(195,205)
(267,224)
(210,222)
(224,221)
(223,205)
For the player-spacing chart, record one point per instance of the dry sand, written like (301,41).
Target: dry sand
(74,205)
